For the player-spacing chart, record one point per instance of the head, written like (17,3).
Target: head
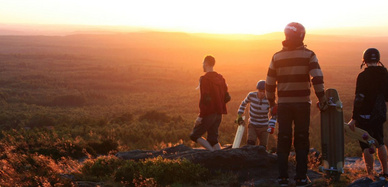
(294,32)
(370,57)
(260,86)
(208,63)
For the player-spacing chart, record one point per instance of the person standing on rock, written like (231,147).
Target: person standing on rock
(212,104)
(369,110)
(291,72)
(258,127)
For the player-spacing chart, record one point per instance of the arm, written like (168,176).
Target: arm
(317,80)
(270,84)
(227,95)
(357,104)
(358,99)
(240,111)
(317,76)
(243,105)
(385,87)
(205,99)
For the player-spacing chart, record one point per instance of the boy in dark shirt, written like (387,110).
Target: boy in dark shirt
(369,110)
(212,104)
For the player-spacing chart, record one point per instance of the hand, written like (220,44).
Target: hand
(322,104)
(352,124)
(271,125)
(198,121)
(239,120)
(271,130)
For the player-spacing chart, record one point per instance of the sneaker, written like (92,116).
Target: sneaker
(303,182)
(383,176)
(283,181)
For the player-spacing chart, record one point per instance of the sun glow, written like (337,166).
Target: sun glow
(216,16)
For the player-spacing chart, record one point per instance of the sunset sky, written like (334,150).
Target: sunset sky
(204,16)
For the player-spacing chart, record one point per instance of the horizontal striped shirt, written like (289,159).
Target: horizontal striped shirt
(258,110)
(291,72)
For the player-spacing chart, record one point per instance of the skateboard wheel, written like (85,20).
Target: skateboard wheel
(371,150)
(365,136)
(339,105)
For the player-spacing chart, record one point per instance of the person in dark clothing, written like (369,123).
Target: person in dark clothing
(212,104)
(369,109)
(291,72)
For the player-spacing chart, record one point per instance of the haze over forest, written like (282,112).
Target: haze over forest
(140,65)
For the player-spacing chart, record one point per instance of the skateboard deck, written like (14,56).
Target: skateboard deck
(239,135)
(332,136)
(362,136)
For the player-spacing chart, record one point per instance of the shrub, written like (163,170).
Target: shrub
(127,172)
(161,171)
(103,167)
(104,147)
(155,116)
(41,120)
(166,171)
(32,170)
(122,119)
(68,101)
(62,148)
(44,142)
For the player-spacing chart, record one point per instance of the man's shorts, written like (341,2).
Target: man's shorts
(210,125)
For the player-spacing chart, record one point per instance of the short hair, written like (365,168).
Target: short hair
(210,60)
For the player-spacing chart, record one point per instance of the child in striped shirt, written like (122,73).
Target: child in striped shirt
(258,115)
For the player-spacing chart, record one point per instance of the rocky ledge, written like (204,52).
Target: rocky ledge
(252,164)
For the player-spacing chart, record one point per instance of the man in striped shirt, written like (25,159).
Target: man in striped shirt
(291,72)
(258,115)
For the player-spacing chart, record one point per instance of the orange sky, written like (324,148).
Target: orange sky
(216,16)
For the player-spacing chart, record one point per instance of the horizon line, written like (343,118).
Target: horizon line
(29,29)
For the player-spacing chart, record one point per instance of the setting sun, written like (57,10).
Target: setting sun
(225,17)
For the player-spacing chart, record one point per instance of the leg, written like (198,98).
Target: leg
(378,134)
(368,159)
(263,135)
(285,119)
(301,138)
(212,132)
(382,153)
(199,130)
(252,137)
(217,146)
(204,143)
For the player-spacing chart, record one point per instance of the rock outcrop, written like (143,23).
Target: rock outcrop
(252,164)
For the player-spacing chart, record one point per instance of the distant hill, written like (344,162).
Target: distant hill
(11,32)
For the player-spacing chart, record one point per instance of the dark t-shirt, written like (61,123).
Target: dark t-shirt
(372,83)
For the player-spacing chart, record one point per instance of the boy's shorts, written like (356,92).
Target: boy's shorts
(374,130)
(258,131)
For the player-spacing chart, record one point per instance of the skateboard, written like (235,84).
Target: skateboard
(332,136)
(239,134)
(362,136)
